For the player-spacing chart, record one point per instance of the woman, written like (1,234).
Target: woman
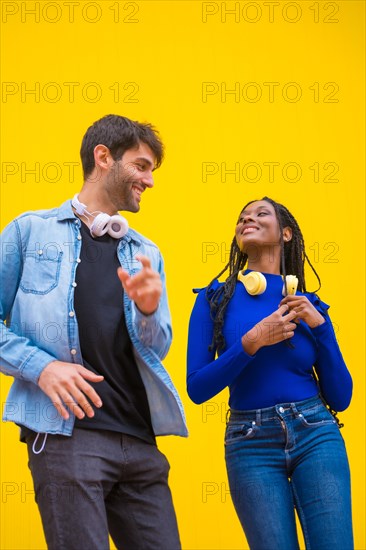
(277,353)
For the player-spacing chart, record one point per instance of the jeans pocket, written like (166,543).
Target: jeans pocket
(240,432)
(316,416)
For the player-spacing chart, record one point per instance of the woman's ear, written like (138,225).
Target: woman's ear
(287,234)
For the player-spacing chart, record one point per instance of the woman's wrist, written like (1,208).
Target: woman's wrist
(315,322)
(250,342)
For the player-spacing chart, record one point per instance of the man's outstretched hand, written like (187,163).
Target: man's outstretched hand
(144,288)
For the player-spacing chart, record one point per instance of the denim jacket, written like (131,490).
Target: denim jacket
(40,253)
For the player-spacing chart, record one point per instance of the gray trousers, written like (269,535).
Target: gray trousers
(98,482)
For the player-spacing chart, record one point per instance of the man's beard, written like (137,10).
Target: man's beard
(119,188)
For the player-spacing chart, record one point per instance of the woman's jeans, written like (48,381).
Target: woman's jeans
(290,455)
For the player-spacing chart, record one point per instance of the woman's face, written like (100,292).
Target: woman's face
(258,226)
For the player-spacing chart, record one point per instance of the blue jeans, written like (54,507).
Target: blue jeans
(98,482)
(284,457)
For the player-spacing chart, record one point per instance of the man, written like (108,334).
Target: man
(87,324)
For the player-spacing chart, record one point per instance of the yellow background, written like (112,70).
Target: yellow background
(170,63)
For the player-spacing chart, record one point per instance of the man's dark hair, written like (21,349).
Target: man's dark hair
(119,134)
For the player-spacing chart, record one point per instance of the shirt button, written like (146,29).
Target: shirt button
(40,252)
(78,260)
(73,351)
(71,314)
(74,284)
(79,237)
(281,409)
(143,323)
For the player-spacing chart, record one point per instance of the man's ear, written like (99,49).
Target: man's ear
(102,157)
(287,234)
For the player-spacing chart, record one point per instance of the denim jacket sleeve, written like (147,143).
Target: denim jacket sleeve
(20,358)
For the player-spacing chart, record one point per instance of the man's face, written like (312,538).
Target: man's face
(128,178)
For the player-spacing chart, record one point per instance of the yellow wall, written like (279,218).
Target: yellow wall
(271,90)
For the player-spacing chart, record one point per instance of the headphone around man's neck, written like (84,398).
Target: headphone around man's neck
(116,226)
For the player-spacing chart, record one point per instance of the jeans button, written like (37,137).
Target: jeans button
(281,410)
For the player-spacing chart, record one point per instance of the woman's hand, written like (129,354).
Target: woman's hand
(304,310)
(277,327)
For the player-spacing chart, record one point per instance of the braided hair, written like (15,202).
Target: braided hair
(293,258)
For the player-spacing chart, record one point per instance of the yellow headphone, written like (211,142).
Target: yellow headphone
(255,283)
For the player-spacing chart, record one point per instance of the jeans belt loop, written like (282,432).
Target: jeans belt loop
(258,417)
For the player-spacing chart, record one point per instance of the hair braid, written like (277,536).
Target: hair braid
(293,257)
(223,294)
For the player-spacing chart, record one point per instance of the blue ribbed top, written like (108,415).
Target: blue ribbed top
(276,373)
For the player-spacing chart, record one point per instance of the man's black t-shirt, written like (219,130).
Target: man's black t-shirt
(105,344)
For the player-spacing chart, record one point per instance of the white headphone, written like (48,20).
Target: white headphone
(116,226)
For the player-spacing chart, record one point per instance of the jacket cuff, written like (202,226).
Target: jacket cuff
(145,324)
(33,366)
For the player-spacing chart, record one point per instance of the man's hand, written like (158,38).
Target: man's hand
(65,384)
(277,327)
(304,310)
(144,288)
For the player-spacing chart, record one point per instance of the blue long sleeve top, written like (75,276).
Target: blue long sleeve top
(276,373)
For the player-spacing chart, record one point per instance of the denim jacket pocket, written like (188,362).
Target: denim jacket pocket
(41,273)
(240,432)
